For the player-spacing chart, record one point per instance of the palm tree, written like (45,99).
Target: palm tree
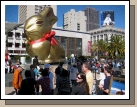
(94,48)
(100,46)
(116,45)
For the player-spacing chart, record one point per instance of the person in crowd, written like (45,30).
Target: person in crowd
(100,80)
(45,82)
(73,74)
(36,72)
(7,66)
(105,87)
(17,78)
(97,66)
(79,66)
(89,75)
(68,68)
(113,63)
(64,84)
(27,85)
(36,62)
(11,67)
(82,87)
(58,72)
(102,76)
(18,63)
(32,71)
(36,75)
(51,76)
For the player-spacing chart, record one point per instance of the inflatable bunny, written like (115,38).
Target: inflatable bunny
(40,39)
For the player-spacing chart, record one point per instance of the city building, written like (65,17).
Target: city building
(73,42)
(105,33)
(92,18)
(75,21)
(26,11)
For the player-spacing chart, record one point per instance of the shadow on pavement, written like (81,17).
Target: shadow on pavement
(12,93)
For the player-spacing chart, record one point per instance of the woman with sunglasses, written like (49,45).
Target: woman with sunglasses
(82,87)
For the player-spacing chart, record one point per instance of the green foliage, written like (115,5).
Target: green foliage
(28,57)
(116,43)
(16,57)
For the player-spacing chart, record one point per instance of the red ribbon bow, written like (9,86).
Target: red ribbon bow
(48,36)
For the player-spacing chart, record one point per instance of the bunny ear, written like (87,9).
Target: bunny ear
(49,13)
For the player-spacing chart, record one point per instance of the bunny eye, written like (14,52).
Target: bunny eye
(39,22)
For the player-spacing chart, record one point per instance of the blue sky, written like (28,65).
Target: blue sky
(11,12)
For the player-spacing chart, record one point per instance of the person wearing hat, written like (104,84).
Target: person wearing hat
(50,75)
(17,78)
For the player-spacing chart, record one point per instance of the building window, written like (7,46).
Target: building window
(10,34)
(23,51)
(10,44)
(58,38)
(17,35)
(10,51)
(17,51)
(64,43)
(97,37)
(17,45)
(78,46)
(23,45)
(23,35)
(71,45)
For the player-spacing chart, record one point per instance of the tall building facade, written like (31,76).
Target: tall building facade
(26,11)
(92,18)
(75,21)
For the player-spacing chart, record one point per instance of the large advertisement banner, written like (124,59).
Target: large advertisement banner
(107,18)
(89,46)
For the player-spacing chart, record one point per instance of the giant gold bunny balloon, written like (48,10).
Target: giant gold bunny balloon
(40,39)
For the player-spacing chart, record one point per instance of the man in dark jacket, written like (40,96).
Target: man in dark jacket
(27,85)
(32,72)
(35,61)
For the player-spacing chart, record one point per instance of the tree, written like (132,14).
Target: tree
(117,44)
(114,44)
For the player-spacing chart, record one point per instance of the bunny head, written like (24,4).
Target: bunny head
(38,25)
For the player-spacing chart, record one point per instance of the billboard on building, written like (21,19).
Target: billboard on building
(107,18)
(89,46)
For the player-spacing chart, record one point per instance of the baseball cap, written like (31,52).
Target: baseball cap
(46,65)
(22,66)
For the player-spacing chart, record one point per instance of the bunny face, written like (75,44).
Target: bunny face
(40,24)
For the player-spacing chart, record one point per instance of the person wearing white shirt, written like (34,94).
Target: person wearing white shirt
(102,76)
(100,80)
(7,67)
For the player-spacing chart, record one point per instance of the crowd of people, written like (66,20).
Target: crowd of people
(76,79)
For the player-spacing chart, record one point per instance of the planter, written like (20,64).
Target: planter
(23,60)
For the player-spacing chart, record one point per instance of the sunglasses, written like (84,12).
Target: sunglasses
(79,78)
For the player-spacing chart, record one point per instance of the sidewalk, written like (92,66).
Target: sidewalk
(11,91)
